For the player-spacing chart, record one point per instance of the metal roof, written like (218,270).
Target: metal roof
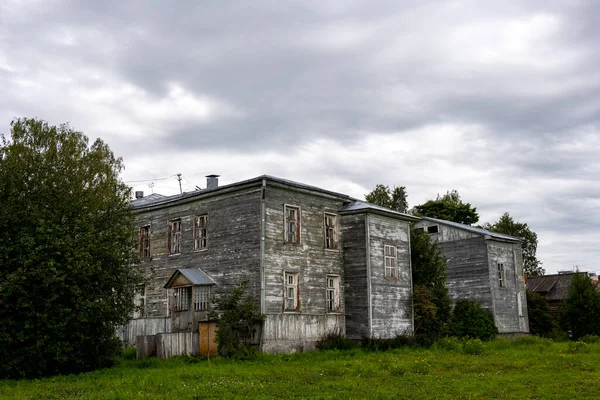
(195,275)
(156,199)
(473,229)
(359,205)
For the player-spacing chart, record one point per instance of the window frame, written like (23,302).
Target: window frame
(431,231)
(333,302)
(145,242)
(393,267)
(182,298)
(174,234)
(287,221)
(501,273)
(201,298)
(330,230)
(203,230)
(295,286)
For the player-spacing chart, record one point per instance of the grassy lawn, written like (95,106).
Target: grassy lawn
(526,369)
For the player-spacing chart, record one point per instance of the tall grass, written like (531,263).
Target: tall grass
(526,368)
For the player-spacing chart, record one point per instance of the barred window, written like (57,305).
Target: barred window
(201,298)
(181,298)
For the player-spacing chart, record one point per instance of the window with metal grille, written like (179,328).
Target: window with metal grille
(292,224)
(330,231)
(181,298)
(291,292)
(200,232)
(201,298)
(145,242)
(501,276)
(174,236)
(333,293)
(390,261)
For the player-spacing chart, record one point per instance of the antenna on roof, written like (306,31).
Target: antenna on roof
(179,179)
(151,186)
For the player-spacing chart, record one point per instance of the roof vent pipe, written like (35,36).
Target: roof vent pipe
(212,181)
(139,194)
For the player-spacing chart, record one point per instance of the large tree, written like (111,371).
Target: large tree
(449,207)
(581,308)
(66,251)
(507,225)
(394,199)
(432,305)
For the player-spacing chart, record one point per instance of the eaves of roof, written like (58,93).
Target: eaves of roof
(479,231)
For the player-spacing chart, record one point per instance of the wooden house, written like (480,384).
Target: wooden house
(486,267)
(318,261)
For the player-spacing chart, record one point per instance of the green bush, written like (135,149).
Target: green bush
(532,341)
(473,347)
(581,308)
(590,339)
(578,347)
(450,343)
(541,322)
(470,319)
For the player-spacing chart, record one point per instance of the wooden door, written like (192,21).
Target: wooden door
(207,338)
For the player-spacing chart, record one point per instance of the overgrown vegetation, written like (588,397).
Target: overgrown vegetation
(238,317)
(470,319)
(541,321)
(527,368)
(66,241)
(582,308)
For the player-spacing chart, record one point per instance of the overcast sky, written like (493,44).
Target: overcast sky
(499,100)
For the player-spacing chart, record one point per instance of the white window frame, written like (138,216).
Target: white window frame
(390,261)
(182,298)
(202,298)
(291,299)
(174,236)
(332,294)
(139,300)
(501,276)
(288,221)
(330,231)
(145,253)
(201,232)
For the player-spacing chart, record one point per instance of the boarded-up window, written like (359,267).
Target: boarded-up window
(145,242)
(501,276)
(291,292)
(201,298)
(182,297)
(200,232)
(333,293)
(174,236)
(330,231)
(390,261)
(292,224)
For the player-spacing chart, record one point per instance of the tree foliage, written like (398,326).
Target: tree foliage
(432,305)
(238,317)
(581,308)
(66,240)
(449,207)
(394,199)
(541,322)
(470,319)
(507,225)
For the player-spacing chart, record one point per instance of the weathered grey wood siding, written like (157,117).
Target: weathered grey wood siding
(233,252)
(510,303)
(391,299)
(284,333)
(468,270)
(355,276)
(141,327)
(446,233)
(310,259)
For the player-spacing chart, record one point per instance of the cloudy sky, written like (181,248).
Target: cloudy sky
(499,100)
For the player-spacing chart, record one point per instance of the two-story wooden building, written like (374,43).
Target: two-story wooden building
(318,261)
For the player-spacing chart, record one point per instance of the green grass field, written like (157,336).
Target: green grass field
(529,368)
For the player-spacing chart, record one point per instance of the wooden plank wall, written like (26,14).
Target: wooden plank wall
(140,327)
(177,343)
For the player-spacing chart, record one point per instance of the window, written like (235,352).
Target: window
(391,262)
(291,292)
(181,298)
(432,229)
(501,276)
(200,232)
(145,242)
(292,224)
(201,297)
(139,300)
(330,226)
(174,236)
(333,293)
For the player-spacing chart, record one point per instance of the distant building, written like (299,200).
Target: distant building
(486,267)
(555,288)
